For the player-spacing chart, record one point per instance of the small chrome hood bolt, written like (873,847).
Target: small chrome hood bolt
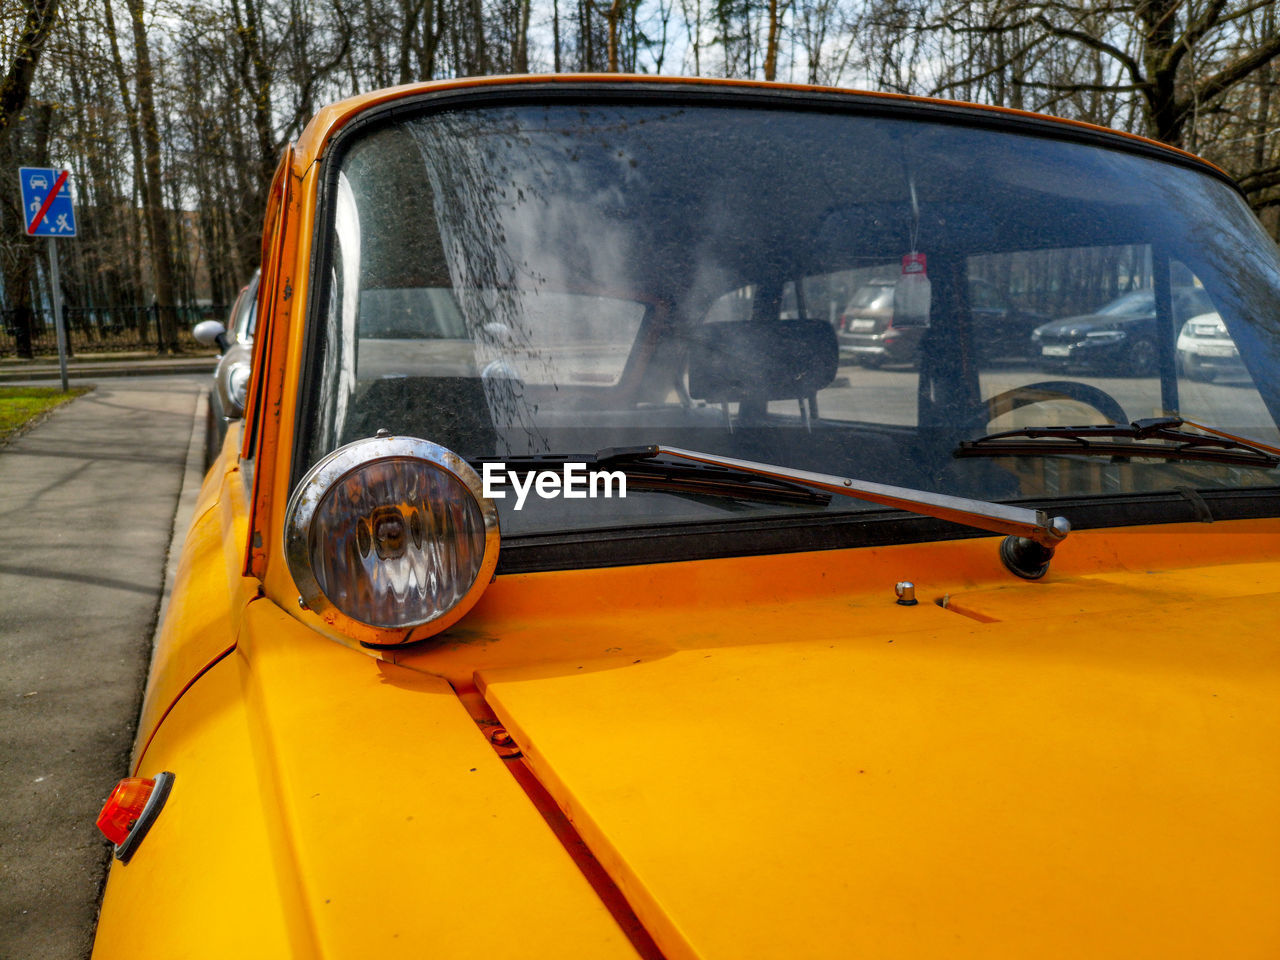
(906,591)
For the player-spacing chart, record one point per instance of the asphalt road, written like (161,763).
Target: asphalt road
(87,507)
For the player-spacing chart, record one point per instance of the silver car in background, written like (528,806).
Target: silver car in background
(231,376)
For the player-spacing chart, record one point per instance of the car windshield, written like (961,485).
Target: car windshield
(553,279)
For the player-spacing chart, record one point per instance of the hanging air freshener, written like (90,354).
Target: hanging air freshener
(912,295)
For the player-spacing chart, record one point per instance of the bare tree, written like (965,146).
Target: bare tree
(174,128)
(22,57)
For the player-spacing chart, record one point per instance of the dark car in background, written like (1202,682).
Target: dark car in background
(1122,334)
(870,333)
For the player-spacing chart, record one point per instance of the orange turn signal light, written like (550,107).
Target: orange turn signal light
(129,811)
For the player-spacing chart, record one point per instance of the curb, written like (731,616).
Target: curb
(87,372)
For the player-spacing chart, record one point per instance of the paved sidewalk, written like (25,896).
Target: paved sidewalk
(80,370)
(87,504)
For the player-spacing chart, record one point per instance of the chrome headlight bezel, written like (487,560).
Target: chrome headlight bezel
(332,469)
(231,379)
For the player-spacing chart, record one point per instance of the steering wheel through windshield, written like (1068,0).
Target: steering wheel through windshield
(1047,390)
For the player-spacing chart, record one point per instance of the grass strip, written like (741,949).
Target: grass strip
(19,406)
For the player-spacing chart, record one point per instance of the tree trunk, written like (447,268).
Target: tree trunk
(615,10)
(258,81)
(555,34)
(520,56)
(586,55)
(1158,20)
(15,90)
(771,47)
(161,251)
(27,47)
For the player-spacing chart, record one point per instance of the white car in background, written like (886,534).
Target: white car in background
(1205,348)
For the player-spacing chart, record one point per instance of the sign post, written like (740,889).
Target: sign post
(46,202)
(59,324)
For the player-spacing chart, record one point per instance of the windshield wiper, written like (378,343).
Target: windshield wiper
(1027,549)
(1160,437)
(696,481)
(1033,525)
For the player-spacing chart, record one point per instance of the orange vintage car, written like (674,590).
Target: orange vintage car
(564,594)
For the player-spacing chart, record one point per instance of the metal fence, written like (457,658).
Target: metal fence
(103,330)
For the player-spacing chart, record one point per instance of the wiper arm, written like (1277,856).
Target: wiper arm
(1161,437)
(1026,551)
(692,480)
(1019,522)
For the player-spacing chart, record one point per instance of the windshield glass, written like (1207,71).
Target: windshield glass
(557,279)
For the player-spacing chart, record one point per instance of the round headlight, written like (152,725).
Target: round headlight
(231,379)
(392,533)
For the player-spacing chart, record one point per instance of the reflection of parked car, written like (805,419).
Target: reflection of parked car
(1120,336)
(869,333)
(398,709)
(866,331)
(1205,348)
(231,376)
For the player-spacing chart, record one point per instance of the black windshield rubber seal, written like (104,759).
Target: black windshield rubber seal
(856,102)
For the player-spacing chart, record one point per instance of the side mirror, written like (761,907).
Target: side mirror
(211,333)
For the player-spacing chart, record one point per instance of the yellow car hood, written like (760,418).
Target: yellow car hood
(1092,772)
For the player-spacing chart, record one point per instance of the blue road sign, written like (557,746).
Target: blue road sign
(59,217)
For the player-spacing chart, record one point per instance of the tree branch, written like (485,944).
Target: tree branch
(1097,43)
(1215,86)
(1080,87)
(987,74)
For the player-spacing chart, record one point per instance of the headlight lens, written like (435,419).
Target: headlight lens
(392,533)
(238,386)
(231,379)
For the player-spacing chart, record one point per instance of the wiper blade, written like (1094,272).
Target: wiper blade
(690,479)
(1033,525)
(1158,437)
